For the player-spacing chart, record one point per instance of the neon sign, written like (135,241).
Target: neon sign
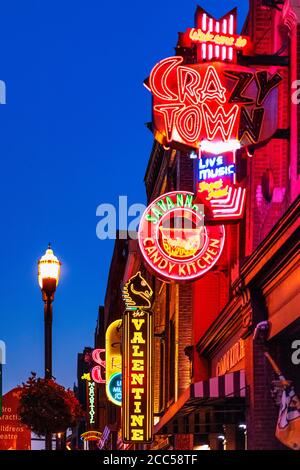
(113,340)
(216,39)
(91,399)
(137,401)
(137,396)
(91,436)
(97,371)
(214,167)
(216,188)
(212,102)
(174,241)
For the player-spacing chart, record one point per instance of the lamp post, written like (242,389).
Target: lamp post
(48,277)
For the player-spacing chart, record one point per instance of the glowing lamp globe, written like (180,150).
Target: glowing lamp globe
(48,271)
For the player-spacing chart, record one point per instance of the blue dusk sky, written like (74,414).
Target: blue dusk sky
(72,137)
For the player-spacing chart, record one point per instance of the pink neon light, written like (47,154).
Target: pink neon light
(203,51)
(234,208)
(204,18)
(217,51)
(230,53)
(212,78)
(210,51)
(220,121)
(225,26)
(224,52)
(217,26)
(167,65)
(96,372)
(231,24)
(210,25)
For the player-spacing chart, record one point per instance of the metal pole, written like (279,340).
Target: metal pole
(48,353)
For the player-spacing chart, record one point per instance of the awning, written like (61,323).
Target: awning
(228,389)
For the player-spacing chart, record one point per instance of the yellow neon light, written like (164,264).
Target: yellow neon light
(197,35)
(113,357)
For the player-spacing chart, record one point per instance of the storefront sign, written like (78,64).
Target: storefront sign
(231,358)
(113,340)
(13,434)
(91,402)
(216,188)
(137,396)
(215,99)
(174,240)
(98,371)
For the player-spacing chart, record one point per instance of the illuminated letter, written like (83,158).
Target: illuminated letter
(188,123)
(137,364)
(265,85)
(220,121)
(137,420)
(137,338)
(212,88)
(138,323)
(160,75)
(169,112)
(243,81)
(188,81)
(251,125)
(137,434)
(137,379)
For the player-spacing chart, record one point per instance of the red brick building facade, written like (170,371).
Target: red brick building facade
(212,382)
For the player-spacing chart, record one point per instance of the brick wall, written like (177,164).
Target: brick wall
(261,412)
(185,317)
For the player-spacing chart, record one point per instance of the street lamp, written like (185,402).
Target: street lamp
(48,277)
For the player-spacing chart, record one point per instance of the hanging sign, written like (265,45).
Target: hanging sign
(216,188)
(113,339)
(214,99)
(98,370)
(137,396)
(174,240)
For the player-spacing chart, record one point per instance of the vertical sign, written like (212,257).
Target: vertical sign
(137,340)
(113,361)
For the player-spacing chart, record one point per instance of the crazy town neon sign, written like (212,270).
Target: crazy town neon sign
(174,240)
(199,103)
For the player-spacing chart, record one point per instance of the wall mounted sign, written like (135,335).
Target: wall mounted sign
(212,102)
(174,241)
(137,396)
(215,99)
(113,341)
(13,434)
(216,39)
(216,188)
(98,371)
(231,358)
(91,402)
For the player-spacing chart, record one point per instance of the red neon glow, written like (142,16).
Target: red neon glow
(219,123)
(184,251)
(230,207)
(217,33)
(96,372)
(197,102)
